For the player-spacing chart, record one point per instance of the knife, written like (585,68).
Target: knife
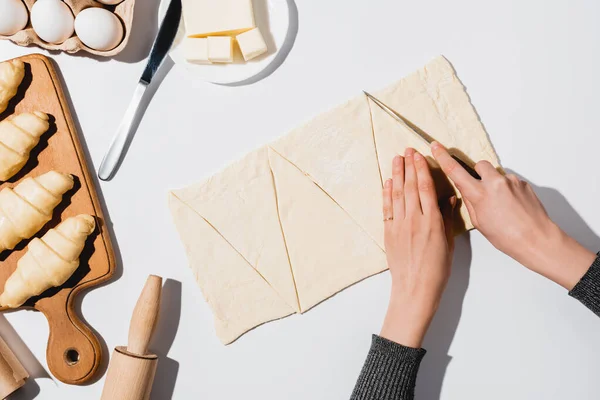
(125,131)
(422,135)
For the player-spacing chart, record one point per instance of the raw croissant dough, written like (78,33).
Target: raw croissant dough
(297,221)
(25,209)
(11,76)
(49,261)
(18,136)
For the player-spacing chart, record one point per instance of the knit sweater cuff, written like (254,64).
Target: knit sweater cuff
(390,372)
(587,291)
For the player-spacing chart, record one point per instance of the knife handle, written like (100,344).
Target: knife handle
(123,136)
(467,167)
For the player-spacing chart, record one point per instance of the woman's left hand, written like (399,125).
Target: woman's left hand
(419,245)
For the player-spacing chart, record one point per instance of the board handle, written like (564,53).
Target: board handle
(73,353)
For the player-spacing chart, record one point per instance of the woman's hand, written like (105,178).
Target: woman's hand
(419,245)
(508,213)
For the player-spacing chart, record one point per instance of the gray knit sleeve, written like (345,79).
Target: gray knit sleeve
(587,291)
(389,373)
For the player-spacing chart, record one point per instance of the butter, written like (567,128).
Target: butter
(252,44)
(196,50)
(217,17)
(220,49)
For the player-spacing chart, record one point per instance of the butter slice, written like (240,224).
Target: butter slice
(220,49)
(217,17)
(252,44)
(196,50)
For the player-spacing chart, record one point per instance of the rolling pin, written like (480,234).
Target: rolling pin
(12,374)
(131,370)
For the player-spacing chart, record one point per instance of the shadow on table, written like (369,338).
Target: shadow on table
(561,212)
(166,330)
(564,215)
(443,328)
(36,371)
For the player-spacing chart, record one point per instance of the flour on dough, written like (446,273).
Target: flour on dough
(328,250)
(240,203)
(337,151)
(238,296)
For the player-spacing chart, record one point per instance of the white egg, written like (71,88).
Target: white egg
(52,20)
(99,29)
(13,16)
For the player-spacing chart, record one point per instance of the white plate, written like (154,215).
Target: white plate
(273,19)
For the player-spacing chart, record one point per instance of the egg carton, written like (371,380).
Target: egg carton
(124,11)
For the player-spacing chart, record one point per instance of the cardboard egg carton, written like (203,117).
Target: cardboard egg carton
(124,11)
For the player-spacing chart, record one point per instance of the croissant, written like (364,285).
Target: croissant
(25,209)
(18,136)
(49,261)
(11,75)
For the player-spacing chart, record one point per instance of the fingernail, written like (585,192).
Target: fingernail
(388,183)
(418,156)
(397,160)
(435,145)
(409,152)
(453,202)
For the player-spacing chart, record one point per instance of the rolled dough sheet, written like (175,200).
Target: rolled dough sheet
(328,250)
(336,150)
(239,297)
(297,221)
(435,101)
(240,203)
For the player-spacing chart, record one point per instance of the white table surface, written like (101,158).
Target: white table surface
(531,69)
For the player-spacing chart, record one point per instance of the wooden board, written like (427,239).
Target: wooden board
(124,11)
(73,352)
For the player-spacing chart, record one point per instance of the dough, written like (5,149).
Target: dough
(238,295)
(434,100)
(328,250)
(295,222)
(240,203)
(336,150)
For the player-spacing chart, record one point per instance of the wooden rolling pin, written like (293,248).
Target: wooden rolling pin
(131,370)
(12,373)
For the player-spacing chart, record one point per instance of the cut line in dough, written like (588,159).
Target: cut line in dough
(299,220)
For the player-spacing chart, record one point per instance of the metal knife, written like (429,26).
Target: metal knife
(428,139)
(160,48)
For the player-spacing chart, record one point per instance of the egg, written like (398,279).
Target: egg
(52,20)
(13,17)
(98,28)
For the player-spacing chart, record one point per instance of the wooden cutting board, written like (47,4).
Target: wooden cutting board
(73,353)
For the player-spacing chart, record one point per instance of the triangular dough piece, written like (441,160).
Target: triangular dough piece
(328,250)
(337,151)
(433,100)
(239,297)
(240,203)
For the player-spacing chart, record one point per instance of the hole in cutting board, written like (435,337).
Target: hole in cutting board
(71,356)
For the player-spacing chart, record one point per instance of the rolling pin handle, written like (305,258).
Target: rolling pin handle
(145,316)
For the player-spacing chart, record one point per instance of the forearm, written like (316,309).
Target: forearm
(389,373)
(556,256)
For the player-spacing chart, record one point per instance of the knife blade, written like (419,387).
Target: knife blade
(417,132)
(126,130)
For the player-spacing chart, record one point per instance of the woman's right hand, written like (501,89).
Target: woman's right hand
(508,213)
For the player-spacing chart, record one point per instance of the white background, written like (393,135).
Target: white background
(531,69)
